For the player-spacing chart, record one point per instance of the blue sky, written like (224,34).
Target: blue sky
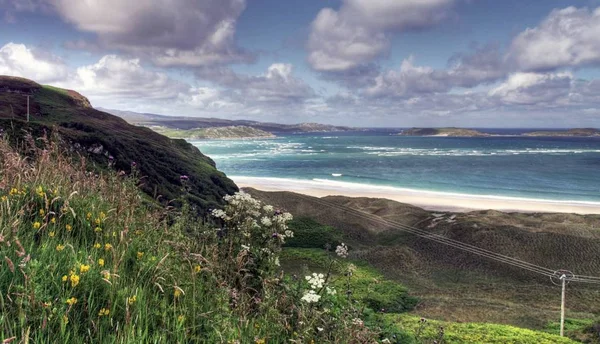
(483,63)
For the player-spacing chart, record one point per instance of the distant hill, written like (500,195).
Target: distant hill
(230,132)
(99,136)
(577,132)
(186,123)
(455,132)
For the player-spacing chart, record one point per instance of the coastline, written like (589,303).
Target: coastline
(429,200)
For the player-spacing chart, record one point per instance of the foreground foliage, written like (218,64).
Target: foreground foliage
(85,259)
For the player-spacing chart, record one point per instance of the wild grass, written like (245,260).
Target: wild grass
(86,260)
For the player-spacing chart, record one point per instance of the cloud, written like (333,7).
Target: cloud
(483,65)
(568,37)
(358,33)
(19,60)
(539,89)
(169,32)
(276,85)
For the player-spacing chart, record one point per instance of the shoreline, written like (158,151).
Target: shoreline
(428,200)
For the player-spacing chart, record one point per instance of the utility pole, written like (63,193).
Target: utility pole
(562,277)
(562,305)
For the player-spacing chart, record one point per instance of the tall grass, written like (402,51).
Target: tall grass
(87,259)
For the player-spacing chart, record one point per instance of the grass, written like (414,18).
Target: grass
(160,160)
(458,333)
(85,259)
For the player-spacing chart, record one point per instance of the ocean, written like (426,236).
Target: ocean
(564,169)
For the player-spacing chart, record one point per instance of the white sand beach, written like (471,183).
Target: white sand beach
(438,201)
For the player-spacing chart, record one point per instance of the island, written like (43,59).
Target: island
(449,132)
(228,132)
(577,132)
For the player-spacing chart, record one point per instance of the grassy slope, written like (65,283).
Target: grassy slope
(456,286)
(160,159)
(231,132)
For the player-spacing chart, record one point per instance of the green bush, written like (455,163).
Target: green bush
(310,234)
(390,297)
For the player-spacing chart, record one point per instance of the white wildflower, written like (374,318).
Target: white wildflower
(218,213)
(268,208)
(357,321)
(320,329)
(342,250)
(266,222)
(311,296)
(277,261)
(289,234)
(246,247)
(316,281)
(330,291)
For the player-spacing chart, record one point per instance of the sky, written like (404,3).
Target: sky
(374,63)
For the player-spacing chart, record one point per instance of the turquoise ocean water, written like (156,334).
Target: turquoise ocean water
(562,169)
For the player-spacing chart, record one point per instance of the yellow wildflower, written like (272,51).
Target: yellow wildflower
(103,312)
(13,192)
(3,198)
(197,268)
(97,229)
(97,245)
(138,232)
(177,293)
(60,247)
(71,301)
(181,318)
(107,246)
(64,278)
(40,191)
(68,227)
(97,221)
(51,234)
(102,216)
(74,280)
(101,262)
(65,319)
(84,268)
(88,216)
(131,300)
(55,192)
(140,255)
(106,275)
(260,341)
(42,212)
(36,225)
(53,220)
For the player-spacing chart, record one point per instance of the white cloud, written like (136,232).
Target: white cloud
(568,37)
(357,33)
(169,32)
(549,89)
(19,60)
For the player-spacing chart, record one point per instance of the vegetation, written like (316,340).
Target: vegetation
(577,132)
(106,140)
(458,333)
(229,132)
(311,234)
(86,260)
(457,132)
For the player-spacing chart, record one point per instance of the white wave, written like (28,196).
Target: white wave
(336,174)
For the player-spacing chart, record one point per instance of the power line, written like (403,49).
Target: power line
(455,243)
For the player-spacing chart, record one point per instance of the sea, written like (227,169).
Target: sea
(563,169)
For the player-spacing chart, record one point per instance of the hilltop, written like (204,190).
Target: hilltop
(107,139)
(232,132)
(185,123)
(453,132)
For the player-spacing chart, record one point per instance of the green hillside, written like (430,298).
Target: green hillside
(97,135)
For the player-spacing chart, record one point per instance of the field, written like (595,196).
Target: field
(456,286)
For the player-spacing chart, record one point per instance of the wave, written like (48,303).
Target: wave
(475,152)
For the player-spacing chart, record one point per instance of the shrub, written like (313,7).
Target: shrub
(310,234)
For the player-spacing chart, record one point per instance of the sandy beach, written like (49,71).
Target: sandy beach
(437,201)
